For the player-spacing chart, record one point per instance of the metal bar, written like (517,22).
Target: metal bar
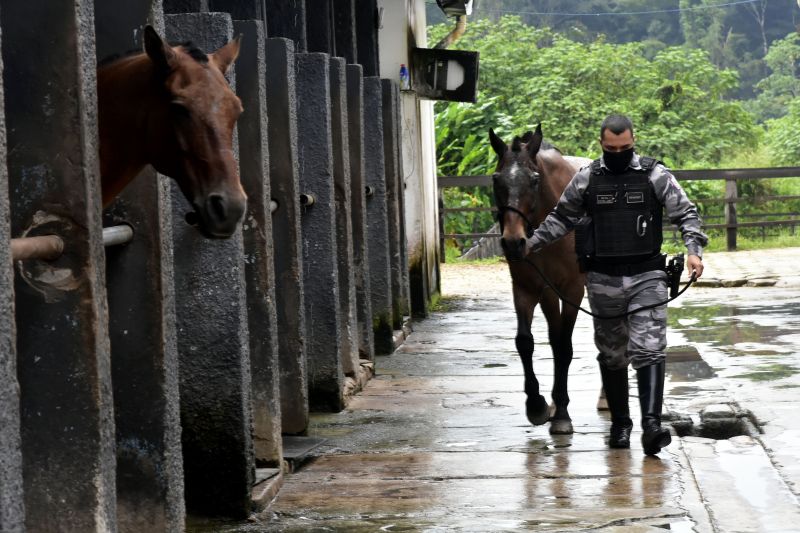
(701,175)
(754,224)
(471,235)
(50,247)
(468,209)
(115,235)
(738,173)
(464,181)
(46,247)
(730,175)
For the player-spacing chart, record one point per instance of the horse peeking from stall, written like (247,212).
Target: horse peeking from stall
(528,182)
(171,107)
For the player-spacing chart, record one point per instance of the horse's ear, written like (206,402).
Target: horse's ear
(160,52)
(535,142)
(527,136)
(225,56)
(499,146)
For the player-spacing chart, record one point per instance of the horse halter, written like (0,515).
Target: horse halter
(530,226)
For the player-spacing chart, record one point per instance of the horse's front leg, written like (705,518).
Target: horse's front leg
(536,407)
(560,324)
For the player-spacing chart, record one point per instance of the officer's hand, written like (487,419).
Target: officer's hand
(694,264)
(529,246)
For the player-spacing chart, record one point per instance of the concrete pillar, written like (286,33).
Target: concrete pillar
(367,36)
(61,313)
(319,27)
(287,19)
(355,121)
(185,6)
(284,181)
(394,194)
(344,28)
(12,512)
(318,219)
(241,9)
(141,302)
(344,222)
(257,230)
(405,298)
(213,344)
(380,282)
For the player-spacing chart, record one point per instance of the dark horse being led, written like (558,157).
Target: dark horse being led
(528,181)
(171,107)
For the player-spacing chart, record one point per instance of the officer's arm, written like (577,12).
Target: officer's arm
(562,219)
(681,212)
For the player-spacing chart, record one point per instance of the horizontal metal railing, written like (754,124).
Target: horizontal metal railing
(730,201)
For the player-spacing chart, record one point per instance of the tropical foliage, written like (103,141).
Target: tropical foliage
(681,100)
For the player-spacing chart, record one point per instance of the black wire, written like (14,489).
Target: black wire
(608,317)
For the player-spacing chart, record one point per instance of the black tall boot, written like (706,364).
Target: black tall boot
(615,384)
(651,397)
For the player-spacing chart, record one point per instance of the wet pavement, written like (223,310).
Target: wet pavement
(438,440)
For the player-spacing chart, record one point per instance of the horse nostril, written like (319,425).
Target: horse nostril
(521,244)
(217,207)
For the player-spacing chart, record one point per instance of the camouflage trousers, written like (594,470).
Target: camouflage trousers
(639,339)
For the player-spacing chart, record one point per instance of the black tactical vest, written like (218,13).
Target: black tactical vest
(626,216)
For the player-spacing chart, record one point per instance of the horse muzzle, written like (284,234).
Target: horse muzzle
(513,247)
(219,214)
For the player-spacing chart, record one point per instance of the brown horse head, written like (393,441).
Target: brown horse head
(171,107)
(516,183)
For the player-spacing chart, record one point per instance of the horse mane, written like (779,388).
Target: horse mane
(188,46)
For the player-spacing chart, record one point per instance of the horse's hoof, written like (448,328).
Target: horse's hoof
(537,410)
(561,426)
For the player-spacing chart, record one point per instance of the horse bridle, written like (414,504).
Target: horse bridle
(501,210)
(530,226)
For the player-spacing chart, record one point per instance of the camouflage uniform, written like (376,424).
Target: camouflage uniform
(640,338)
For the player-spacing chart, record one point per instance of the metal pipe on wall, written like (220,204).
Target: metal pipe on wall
(50,247)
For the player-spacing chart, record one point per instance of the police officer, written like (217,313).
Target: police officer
(617,201)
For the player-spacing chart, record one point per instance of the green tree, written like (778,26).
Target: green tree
(677,99)
(782,136)
(782,86)
(675,95)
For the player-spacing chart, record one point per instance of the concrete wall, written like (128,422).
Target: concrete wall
(12,513)
(408,28)
(64,367)
(168,367)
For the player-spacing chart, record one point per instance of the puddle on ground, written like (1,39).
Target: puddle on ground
(728,325)
(687,371)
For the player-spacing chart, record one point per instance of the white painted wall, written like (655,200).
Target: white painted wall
(404,26)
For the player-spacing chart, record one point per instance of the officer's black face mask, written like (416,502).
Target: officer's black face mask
(617,162)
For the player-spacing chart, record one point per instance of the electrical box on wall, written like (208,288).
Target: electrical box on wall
(455,8)
(440,74)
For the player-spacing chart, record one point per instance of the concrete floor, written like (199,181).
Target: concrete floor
(438,440)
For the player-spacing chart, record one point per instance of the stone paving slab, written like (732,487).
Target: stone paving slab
(741,487)
(438,440)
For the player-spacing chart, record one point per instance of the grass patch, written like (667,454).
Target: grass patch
(445,304)
(769,373)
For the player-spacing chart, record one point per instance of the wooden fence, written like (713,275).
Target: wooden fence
(731,223)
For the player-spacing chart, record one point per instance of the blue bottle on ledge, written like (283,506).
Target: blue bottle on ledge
(405,79)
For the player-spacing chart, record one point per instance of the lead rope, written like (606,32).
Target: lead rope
(608,317)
